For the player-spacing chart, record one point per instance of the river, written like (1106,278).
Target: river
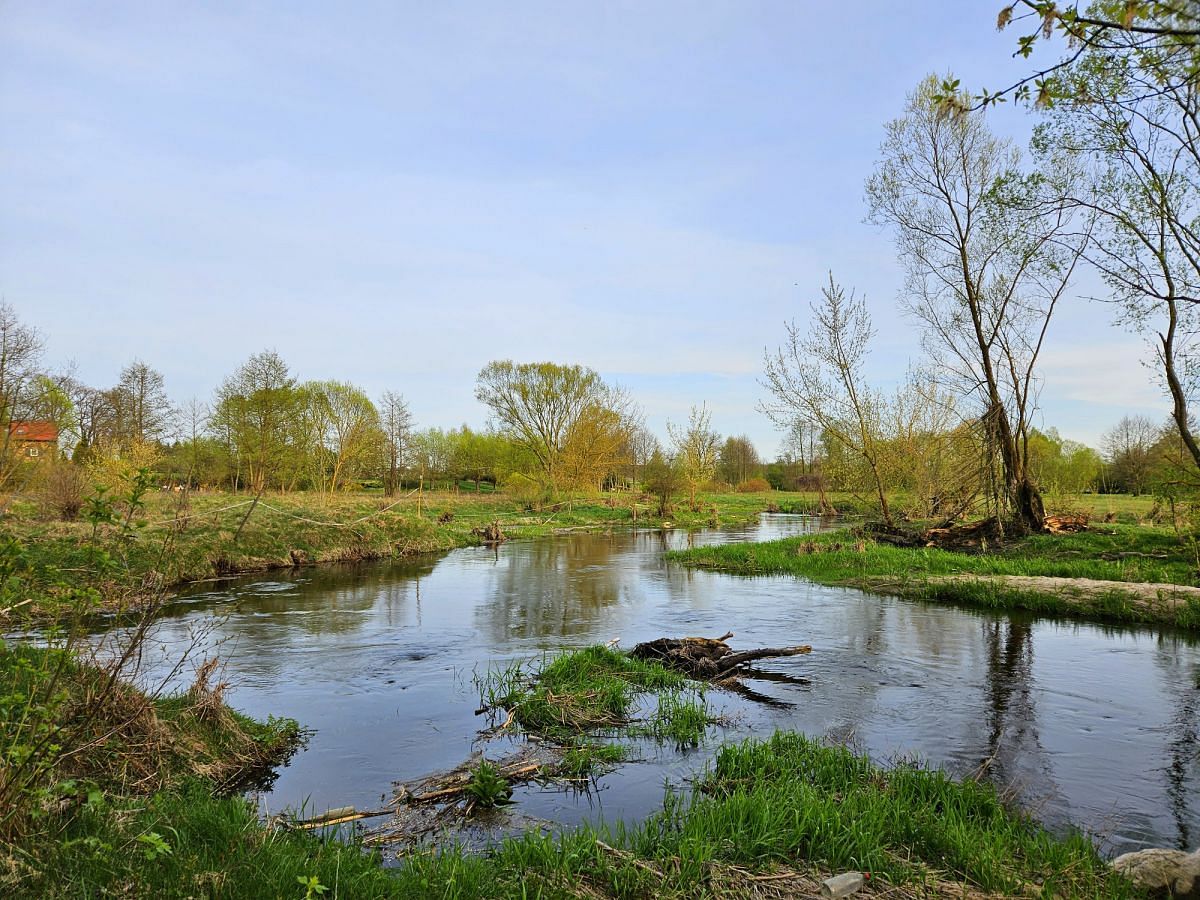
(1086,724)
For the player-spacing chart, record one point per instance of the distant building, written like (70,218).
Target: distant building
(33,440)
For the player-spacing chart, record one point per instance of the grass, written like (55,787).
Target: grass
(176,541)
(787,807)
(587,758)
(1116,553)
(680,717)
(580,691)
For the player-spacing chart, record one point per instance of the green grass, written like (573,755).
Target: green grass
(172,545)
(680,717)
(785,804)
(592,689)
(587,758)
(1116,553)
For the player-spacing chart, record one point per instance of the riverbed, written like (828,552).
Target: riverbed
(1090,725)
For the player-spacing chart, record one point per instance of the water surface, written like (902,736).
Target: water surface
(1088,724)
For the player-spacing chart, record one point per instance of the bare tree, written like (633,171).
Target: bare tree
(987,260)
(143,410)
(817,377)
(397,422)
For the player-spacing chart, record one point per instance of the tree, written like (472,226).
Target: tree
(397,423)
(350,430)
(595,447)
(695,450)
(20,356)
(1114,28)
(737,460)
(195,416)
(817,377)
(550,409)
(663,479)
(1129,447)
(987,259)
(641,444)
(143,412)
(253,413)
(1130,121)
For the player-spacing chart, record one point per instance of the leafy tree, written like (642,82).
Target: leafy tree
(254,411)
(555,412)
(737,460)
(350,431)
(663,479)
(1128,120)
(695,450)
(1118,29)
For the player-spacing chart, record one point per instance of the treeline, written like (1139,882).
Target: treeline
(553,428)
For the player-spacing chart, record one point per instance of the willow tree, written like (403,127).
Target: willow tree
(564,416)
(987,259)
(351,436)
(253,414)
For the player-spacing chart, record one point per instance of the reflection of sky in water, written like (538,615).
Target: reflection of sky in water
(1091,725)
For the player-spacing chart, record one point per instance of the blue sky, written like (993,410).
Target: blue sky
(397,193)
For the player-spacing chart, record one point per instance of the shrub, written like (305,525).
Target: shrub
(754,486)
(64,489)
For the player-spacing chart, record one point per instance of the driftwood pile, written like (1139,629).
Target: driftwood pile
(966,536)
(707,659)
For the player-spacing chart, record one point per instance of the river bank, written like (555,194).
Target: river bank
(371,655)
(174,541)
(767,818)
(1111,573)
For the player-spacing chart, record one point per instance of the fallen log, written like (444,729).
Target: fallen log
(1066,524)
(732,661)
(706,659)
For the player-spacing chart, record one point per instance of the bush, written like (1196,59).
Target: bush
(64,489)
(754,486)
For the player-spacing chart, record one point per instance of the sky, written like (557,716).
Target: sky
(397,193)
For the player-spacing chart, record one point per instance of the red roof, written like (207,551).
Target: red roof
(40,432)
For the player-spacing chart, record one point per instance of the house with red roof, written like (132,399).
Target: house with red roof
(33,440)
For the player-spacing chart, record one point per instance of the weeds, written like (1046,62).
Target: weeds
(488,788)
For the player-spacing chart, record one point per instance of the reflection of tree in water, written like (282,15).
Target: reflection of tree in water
(557,588)
(324,600)
(1013,741)
(1181,682)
